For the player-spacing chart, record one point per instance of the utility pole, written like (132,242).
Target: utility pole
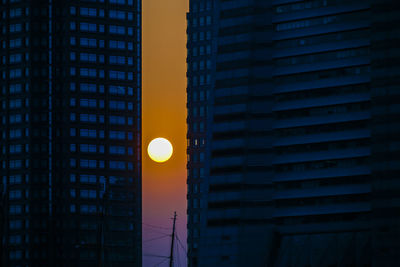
(171,257)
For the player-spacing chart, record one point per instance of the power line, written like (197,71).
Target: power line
(180,243)
(161,262)
(155,256)
(155,226)
(156,238)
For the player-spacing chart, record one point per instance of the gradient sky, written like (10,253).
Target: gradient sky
(164,115)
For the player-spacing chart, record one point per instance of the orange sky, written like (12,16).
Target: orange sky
(164,115)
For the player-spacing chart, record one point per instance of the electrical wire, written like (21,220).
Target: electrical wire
(161,262)
(155,238)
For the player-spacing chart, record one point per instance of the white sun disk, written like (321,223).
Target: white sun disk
(160,149)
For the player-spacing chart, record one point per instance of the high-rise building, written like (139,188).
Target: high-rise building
(70,178)
(293,133)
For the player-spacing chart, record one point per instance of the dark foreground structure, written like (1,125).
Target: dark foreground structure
(294,133)
(70,94)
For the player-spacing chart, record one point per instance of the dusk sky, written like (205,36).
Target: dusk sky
(164,115)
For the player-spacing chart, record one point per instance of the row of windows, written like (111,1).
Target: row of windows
(321,57)
(202,6)
(298,24)
(93,164)
(93,133)
(94,88)
(201,21)
(94,58)
(308,5)
(92,27)
(93,103)
(315,165)
(112,44)
(94,73)
(91,148)
(94,118)
(94,12)
(199,36)
(117,2)
(92,179)
(201,50)
(199,80)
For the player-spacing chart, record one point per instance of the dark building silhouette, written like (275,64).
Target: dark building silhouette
(293,133)
(70,177)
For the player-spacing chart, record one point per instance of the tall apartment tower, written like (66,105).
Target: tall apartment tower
(293,133)
(70,93)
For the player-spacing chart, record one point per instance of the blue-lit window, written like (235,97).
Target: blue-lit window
(72,10)
(101,13)
(117,44)
(72,41)
(72,56)
(85,72)
(88,209)
(15,58)
(15,88)
(117,75)
(88,87)
(130,76)
(90,133)
(88,42)
(119,120)
(130,31)
(15,149)
(119,2)
(115,29)
(116,90)
(130,16)
(88,163)
(15,103)
(15,43)
(15,133)
(117,60)
(72,26)
(15,27)
(16,118)
(117,165)
(15,12)
(118,150)
(72,117)
(116,14)
(15,73)
(130,46)
(130,151)
(118,105)
(119,135)
(88,148)
(72,132)
(72,163)
(88,193)
(90,103)
(130,121)
(85,178)
(92,12)
(130,136)
(92,118)
(88,27)
(72,147)
(130,61)
(88,57)
(130,106)
(72,71)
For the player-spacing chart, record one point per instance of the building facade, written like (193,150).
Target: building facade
(300,160)
(71,132)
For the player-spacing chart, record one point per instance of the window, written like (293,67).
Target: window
(88,42)
(117,75)
(119,120)
(89,88)
(88,27)
(84,11)
(89,103)
(119,135)
(88,57)
(117,165)
(117,60)
(116,44)
(116,14)
(90,133)
(88,148)
(118,150)
(116,90)
(117,105)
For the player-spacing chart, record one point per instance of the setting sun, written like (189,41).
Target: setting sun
(160,149)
